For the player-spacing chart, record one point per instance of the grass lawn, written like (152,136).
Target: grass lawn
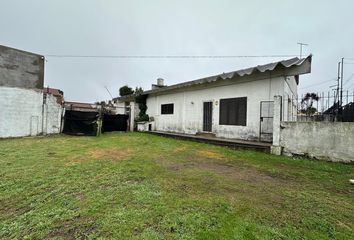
(140,186)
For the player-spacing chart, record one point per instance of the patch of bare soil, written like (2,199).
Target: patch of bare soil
(76,228)
(179,149)
(210,154)
(99,154)
(8,209)
(217,163)
(235,173)
(116,154)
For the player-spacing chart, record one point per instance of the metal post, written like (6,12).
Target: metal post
(338,79)
(316,113)
(341,83)
(322,103)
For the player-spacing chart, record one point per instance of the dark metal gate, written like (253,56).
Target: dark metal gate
(266,121)
(207,116)
(118,122)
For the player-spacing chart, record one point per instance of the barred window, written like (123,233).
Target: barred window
(167,108)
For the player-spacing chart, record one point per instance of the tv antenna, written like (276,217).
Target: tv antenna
(108,92)
(301,46)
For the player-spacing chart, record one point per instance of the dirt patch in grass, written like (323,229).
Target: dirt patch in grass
(116,154)
(102,154)
(179,149)
(210,154)
(8,209)
(216,163)
(75,228)
(231,172)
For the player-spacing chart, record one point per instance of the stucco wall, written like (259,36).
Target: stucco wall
(120,108)
(21,69)
(323,140)
(188,107)
(52,115)
(21,113)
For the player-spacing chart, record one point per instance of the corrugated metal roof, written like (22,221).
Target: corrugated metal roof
(80,105)
(239,73)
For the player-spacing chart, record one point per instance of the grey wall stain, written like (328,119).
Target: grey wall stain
(21,69)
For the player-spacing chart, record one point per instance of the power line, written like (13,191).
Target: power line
(165,56)
(352,85)
(320,83)
(346,81)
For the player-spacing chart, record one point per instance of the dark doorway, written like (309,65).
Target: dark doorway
(266,121)
(207,116)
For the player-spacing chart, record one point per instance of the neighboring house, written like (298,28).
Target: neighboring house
(56,93)
(21,69)
(235,105)
(81,107)
(26,109)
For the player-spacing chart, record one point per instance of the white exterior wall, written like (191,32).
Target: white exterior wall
(21,113)
(188,107)
(52,115)
(120,108)
(144,126)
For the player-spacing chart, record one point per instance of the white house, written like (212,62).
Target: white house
(237,105)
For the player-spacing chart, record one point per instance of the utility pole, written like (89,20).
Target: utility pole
(301,45)
(336,99)
(341,84)
(338,81)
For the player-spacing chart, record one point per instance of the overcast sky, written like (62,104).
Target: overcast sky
(160,27)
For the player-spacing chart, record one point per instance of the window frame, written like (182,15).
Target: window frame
(168,112)
(240,105)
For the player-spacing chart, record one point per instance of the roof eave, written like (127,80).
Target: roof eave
(291,67)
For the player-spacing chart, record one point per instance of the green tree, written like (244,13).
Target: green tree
(139,90)
(125,90)
(307,103)
(141,101)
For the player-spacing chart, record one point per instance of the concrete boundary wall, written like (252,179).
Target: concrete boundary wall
(332,141)
(22,113)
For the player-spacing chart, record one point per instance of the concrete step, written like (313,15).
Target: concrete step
(206,134)
(232,143)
